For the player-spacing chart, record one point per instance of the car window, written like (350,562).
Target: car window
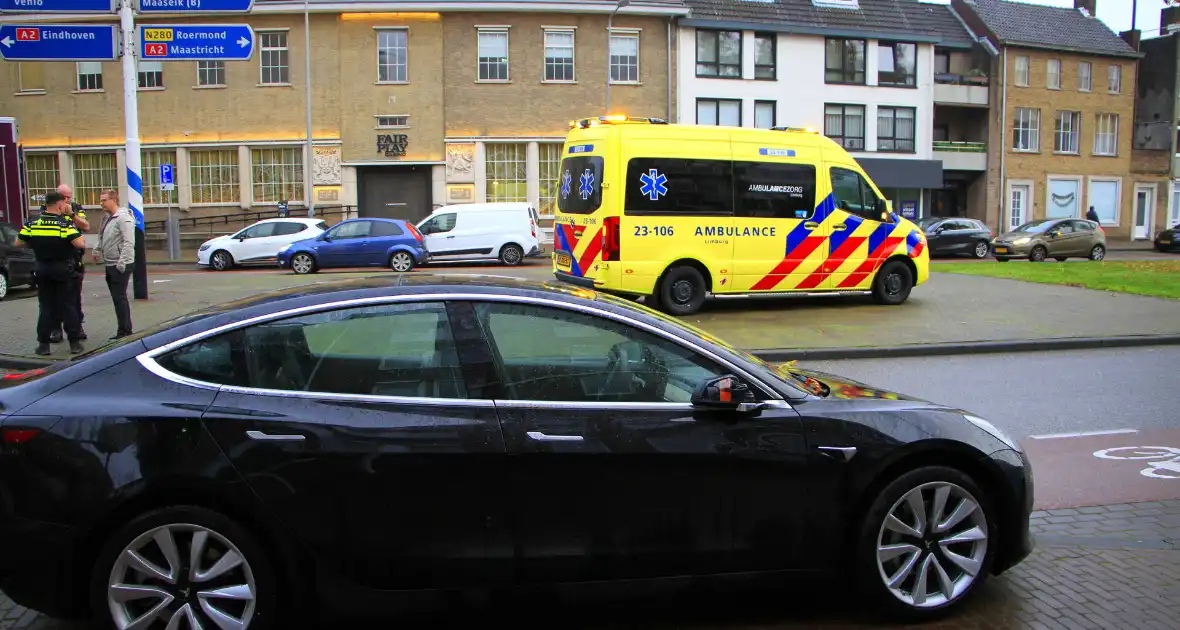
(853,194)
(767,190)
(1065,227)
(385,228)
(287,228)
(260,231)
(215,360)
(352,229)
(322,225)
(579,185)
(557,355)
(679,186)
(439,223)
(1083,226)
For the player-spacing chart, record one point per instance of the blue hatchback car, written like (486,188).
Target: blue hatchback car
(389,243)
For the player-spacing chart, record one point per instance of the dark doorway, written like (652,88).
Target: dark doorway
(395,192)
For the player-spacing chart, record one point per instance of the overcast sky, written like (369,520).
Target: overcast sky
(1116,13)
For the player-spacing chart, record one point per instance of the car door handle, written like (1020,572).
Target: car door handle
(275,437)
(839,226)
(545,437)
(811,225)
(451,236)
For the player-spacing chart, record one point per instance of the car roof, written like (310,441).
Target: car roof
(296,220)
(484,207)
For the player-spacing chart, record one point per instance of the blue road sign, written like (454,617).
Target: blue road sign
(166,174)
(59,42)
(193,6)
(57,6)
(196,42)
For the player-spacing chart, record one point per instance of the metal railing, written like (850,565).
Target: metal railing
(961,79)
(242,218)
(960,147)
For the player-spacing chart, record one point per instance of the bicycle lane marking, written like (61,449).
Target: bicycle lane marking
(1096,469)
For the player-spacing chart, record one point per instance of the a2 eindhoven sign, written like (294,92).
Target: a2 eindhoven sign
(110,6)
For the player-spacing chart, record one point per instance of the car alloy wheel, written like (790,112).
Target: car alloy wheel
(302,263)
(932,545)
(3,286)
(1038,254)
(181,575)
(401,261)
(1098,252)
(511,255)
(981,249)
(222,260)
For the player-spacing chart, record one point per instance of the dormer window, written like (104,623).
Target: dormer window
(836,4)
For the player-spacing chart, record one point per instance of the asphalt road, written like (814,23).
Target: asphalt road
(1039,393)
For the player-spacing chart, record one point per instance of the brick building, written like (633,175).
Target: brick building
(454,102)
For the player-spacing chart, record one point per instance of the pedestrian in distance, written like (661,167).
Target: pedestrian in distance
(55,241)
(1092,215)
(78,214)
(116,250)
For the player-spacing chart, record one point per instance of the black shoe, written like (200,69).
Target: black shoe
(55,337)
(43,349)
(76,347)
(82,336)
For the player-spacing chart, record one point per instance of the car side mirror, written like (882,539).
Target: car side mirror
(324,237)
(725,393)
(242,238)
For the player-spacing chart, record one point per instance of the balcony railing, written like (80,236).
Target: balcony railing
(961,79)
(960,147)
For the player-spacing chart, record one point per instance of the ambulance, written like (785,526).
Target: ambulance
(681,214)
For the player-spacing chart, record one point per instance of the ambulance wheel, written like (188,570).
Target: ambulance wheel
(682,291)
(893,283)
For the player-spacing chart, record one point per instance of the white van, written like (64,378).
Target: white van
(482,231)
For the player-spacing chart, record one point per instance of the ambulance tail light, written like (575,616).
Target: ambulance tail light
(610,239)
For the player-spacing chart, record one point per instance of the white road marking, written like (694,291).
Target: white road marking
(158,281)
(1052,436)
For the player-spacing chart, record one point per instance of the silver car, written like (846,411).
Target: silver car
(1056,238)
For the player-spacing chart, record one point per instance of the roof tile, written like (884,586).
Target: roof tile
(1056,28)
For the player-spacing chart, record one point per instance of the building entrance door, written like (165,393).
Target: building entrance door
(1144,209)
(395,192)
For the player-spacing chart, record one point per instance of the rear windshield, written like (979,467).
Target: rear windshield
(579,186)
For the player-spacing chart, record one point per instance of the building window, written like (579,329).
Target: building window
(1084,73)
(765,56)
(765,114)
(277,174)
(897,64)
(845,124)
(94,173)
(559,55)
(1026,129)
(393,122)
(1068,130)
(1053,74)
(89,76)
(895,129)
(549,173)
(392,59)
(1114,79)
(942,62)
(725,112)
(507,173)
(1104,196)
(493,54)
(213,176)
(719,54)
(273,58)
(1106,134)
(624,58)
(31,77)
(43,178)
(151,74)
(844,61)
(211,73)
(1022,70)
(153,192)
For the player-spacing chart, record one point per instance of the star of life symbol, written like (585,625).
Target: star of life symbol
(566,181)
(586,185)
(654,184)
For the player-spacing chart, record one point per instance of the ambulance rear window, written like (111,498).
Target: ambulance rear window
(579,185)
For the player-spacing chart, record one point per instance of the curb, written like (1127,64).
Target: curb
(18,362)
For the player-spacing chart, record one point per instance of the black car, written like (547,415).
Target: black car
(345,442)
(956,236)
(16,263)
(1168,240)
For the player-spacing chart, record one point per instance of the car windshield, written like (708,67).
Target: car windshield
(925,224)
(1036,226)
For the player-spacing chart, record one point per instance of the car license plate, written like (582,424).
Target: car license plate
(563,260)
(1001,250)
(1165,239)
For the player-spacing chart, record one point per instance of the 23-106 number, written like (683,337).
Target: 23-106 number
(659,230)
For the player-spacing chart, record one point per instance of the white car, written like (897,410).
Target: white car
(506,231)
(257,243)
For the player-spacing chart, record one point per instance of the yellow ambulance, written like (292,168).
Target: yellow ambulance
(685,213)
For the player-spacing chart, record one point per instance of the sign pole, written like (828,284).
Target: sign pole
(131,121)
(307,184)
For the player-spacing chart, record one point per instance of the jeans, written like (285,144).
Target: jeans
(117,284)
(56,298)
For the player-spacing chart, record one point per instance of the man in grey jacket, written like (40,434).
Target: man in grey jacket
(116,250)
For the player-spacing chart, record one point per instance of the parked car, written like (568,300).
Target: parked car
(1059,238)
(257,243)
(956,236)
(366,437)
(1168,240)
(482,231)
(17,264)
(370,242)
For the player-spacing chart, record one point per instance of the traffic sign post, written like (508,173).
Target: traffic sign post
(147,7)
(59,42)
(58,6)
(171,227)
(166,176)
(196,42)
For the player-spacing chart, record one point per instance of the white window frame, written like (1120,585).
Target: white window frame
(49,177)
(773,105)
(1087,84)
(1077,179)
(1067,139)
(716,104)
(260,36)
(480,31)
(211,69)
(154,194)
(1051,74)
(1114,79)
(1021,74)
(377,124)
(146,67)
(571,31)
(1102,131)
(404,66)
(1174,204)
(516,164)
(621,34)
(1034,130)
(200,176)
(1025,211)
(272,192)
(78,74)
(1118,199)
(90,182)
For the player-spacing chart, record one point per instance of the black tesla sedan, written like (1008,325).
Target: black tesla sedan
(347,442)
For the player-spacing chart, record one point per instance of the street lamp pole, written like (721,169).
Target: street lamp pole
(609,33)
(307,186)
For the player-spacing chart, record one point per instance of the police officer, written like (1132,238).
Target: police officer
(55,241)
(79,217)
